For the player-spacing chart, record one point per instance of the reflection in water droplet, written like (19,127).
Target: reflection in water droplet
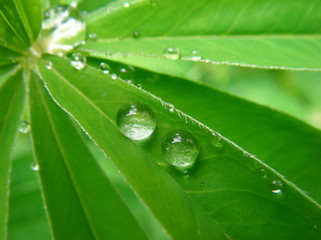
(126,72)
(63,28)
(126,4)
(136,121)
(277,185)
(180,149)
(136,35)
(24,127)
(48,64)
(171,53)
(78,61)
(34,166)
(104,67)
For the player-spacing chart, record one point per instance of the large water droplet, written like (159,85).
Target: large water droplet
(24,127)
(171,53)
(180,149)
(104,67)
(63,29)
(277,186)
(78,61)
(136,121)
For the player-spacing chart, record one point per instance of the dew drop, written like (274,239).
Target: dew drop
(277,185)
(113,76)
(136,35)
(24,127)
(63,28)
(171,108)
(171,53)
(202,184)
(48,65)
(126,72)
(126,4)
(195,56)
(136,121)
(34,166)
(92,36)
(180,149)
(78,61)
(104,67)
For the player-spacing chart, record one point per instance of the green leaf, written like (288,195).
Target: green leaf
(284,143)
(245,197)
(27,217)
(13,34)
(71,177)
(11,99)
(30,14)
(281,52)
(164,198)
(258,33)
(90,6)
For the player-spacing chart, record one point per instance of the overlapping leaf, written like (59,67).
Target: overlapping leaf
(256,33)
(11,98)
(88,206)
(241,194)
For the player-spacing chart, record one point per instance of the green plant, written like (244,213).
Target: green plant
(166,172)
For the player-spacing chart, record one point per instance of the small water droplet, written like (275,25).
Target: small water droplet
(180,149)
(48,64)
(202,184)
(136,35)
(171,53)
(63,28)
(92,36)
(195,56)
(277,186)
(104,67)
(219,142)
(113,76)
(126,4)
(136,121)
(171,108)
(34,166)
(126,72)
(78,61)
(24,127)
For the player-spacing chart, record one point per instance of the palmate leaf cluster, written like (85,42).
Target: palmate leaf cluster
(257,174)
